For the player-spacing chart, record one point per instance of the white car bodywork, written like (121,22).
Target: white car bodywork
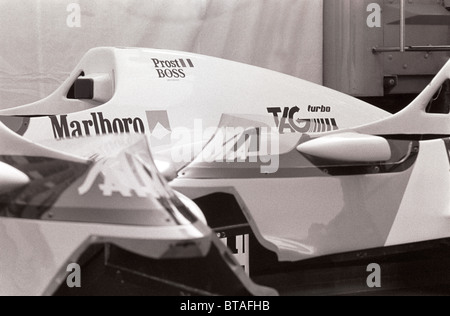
(324,196)
(129,95)
(56,205)
(332,195)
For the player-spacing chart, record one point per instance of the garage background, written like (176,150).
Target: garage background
(43,40)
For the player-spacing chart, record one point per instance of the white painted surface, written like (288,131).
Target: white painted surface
(11,178)
(351,147)
(425,210)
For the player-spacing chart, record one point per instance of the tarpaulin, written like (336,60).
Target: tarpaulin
(43,40)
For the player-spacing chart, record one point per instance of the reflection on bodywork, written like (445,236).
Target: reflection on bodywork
(120,186)
(49,179)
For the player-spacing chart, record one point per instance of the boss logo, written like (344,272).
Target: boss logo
(172,69)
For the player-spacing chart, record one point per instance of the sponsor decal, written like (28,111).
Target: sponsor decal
(160,130)
(63,128)
(287,123)
(98,124)
(319,109)
(172,69)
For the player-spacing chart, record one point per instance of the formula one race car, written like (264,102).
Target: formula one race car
(111,218)
(284,170)
(169,95)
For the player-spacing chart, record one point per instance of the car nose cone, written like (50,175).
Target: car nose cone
(11,178)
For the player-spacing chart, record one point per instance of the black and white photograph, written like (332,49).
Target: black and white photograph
(224,152)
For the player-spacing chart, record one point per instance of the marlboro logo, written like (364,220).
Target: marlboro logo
(96,125)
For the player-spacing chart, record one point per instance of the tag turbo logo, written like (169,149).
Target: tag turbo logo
(172,69)
(287,123)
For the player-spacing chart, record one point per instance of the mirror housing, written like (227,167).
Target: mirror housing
(348,147)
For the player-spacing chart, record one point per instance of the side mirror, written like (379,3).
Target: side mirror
(11,178)
(348,147)
(96,87)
